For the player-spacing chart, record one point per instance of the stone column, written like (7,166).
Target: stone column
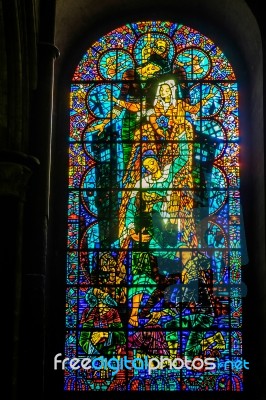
(33,313)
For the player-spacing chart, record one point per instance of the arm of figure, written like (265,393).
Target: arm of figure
(156,315)
(135,107)
(100,126)
(98,337)
(195,108)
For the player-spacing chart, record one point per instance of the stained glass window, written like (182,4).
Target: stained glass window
(154,238)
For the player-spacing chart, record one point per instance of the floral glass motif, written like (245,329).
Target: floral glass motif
(154,237)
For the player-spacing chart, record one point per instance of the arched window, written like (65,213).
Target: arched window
(155,234)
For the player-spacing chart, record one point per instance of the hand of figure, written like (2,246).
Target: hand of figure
(98,127)
(99,293)
(143,237)
(160,132)
(154,317)
(98,337)
(101,126)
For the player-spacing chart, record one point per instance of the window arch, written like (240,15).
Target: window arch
(154,249)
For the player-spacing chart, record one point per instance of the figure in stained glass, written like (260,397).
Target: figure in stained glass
(154,209)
